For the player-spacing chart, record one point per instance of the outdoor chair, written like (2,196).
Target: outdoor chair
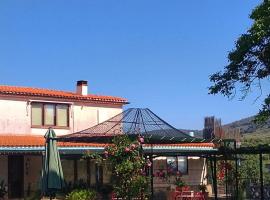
(186,188)
(198,196)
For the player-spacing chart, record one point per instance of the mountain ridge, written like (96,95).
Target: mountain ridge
(246,126)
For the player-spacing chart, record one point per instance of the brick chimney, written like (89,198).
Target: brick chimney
(82,87)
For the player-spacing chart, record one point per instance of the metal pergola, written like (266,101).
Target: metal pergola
(232,153)
(143,122)
(134,122)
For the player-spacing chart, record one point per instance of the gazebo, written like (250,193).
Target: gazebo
(161,138)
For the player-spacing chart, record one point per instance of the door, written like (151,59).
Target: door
(15,176)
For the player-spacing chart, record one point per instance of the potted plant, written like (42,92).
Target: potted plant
(3,189)
(179,184)
(203,189)
(82,194)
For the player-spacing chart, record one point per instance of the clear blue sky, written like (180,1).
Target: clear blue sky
(158,54)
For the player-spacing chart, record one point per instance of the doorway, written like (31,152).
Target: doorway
(15,176)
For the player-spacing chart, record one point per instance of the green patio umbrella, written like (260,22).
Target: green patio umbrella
(52,174)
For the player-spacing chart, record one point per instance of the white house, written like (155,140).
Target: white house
(26,114)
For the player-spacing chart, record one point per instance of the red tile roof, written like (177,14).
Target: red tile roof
(38,141)
(38,92)
(199,144)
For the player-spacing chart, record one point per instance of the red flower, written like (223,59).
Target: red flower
(178,173)
(127,149)
(141,140)
(133,146)
(149,164)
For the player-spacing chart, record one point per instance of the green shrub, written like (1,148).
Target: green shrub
(3,189)
(82,194)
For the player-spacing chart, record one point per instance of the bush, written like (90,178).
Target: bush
(3,189)
(82,194)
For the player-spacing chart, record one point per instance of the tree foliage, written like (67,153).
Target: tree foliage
(249,169)
(249,62)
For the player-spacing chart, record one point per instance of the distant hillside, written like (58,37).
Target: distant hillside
(246,126)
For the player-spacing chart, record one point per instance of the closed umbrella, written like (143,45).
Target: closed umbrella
(52,174)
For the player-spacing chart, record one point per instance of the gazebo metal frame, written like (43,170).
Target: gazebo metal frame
(136,122)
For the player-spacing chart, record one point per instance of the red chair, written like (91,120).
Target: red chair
(186,188)
(198,196)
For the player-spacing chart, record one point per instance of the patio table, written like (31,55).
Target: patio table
(185,195)
(189,195)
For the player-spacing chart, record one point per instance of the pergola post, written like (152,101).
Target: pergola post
(226,177)
(236,173)
(151,176)
(88,171)
(215,177)
(261,174)
(213,165)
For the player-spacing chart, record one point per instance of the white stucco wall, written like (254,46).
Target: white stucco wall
(88,115)
(15,117)
(196,170)
(196,173)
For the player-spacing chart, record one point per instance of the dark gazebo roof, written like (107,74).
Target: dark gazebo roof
(133,122)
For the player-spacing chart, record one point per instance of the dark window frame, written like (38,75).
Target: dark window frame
(176,160)
(43,110)
(186,157)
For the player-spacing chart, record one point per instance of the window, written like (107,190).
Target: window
(179,163)
(182,164)
(61,115)
(48,114)
(37,114)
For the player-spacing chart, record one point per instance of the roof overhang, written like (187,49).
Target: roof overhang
(160,149)
(27,144)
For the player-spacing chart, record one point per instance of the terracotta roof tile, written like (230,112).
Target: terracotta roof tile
(199,144)
(38,141)
(38,92)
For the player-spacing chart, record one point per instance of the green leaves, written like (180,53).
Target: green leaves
(264,113)
(81,194)
(128,165)
(249,62)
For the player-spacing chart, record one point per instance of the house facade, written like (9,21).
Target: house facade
(27,113)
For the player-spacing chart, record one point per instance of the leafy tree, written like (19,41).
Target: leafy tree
(249,62)
(249,169)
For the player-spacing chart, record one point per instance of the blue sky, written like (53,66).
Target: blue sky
(158,54)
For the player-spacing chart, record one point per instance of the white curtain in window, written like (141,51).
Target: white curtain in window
(49,114)
(62,115)
(182,164)
(36,114)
